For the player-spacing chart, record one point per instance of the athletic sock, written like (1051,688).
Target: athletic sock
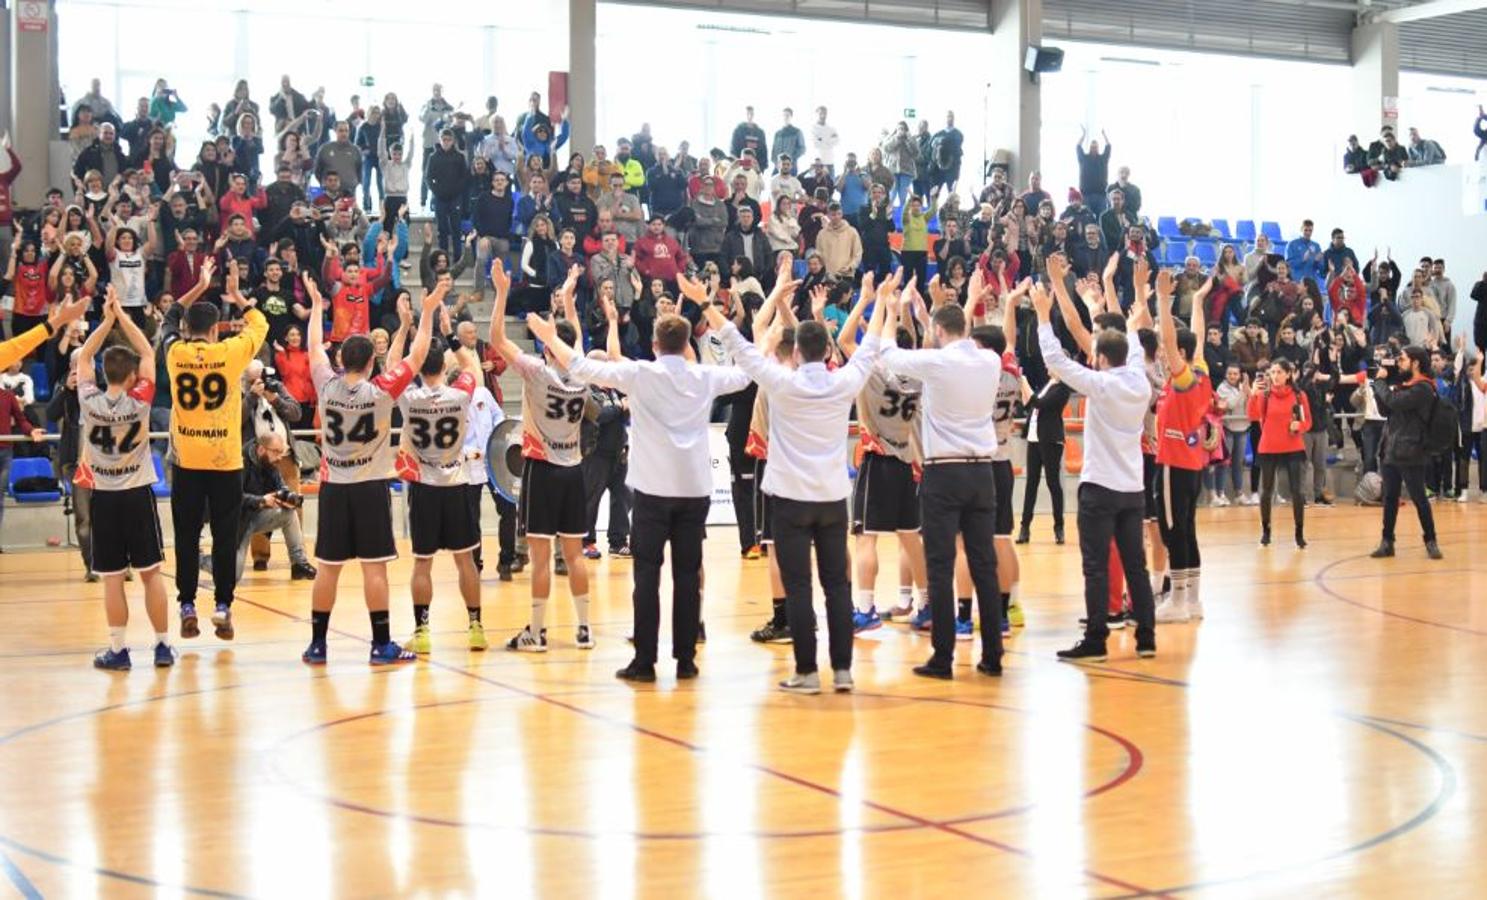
(581,608)
(963,609)
(319,625)
(162,637)
(905,597)
(539,615)
(116,637)
(420,614)
(780,618)
(1193,586)
(381,627)
(1161,582)
(864,601)
(1179,587)
(473,612)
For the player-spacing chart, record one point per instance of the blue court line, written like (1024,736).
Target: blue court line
(18,878)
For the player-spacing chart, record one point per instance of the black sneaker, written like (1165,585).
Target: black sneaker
(637,672)
(1385,550)
(503,571)
(986,667)
(260,565)
(772,632)
(701,632)
(686,669)
(1023,536)
(560,567)
(1084,650)
(302,572)
(1058,534)
(1265,536)
(1113,621)
(1433,550)
(942,673)
(1146,648)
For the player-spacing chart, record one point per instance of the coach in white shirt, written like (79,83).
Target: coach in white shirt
(957,493)
(670,471)
(1111,501)
(806,478)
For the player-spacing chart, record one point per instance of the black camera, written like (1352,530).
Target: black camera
(289,498)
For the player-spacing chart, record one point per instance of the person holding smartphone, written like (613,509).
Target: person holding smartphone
(1284,416)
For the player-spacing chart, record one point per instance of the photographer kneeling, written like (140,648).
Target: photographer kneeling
(268,505)
(1406,396)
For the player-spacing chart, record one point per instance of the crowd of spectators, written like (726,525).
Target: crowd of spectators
(1387,157)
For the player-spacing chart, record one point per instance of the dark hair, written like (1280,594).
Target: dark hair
(786,345)
(202,318)
(1148,341)
(1306,222)
(951,319)
(1112,345)
(118,364)
(1109,321)
(745,266)
(1187,343)
(357,353)
(567,332)
(811,341)
(1418,354)
(433,364)
(990,337)
(1336,232)
(904,338)
(671,334)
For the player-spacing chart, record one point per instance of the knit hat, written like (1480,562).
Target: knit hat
(1075,196)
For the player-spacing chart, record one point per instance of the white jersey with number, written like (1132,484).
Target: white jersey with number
(1008,391)
(552,412)
(356,423)
(888,415)
(434,423)
(116,437)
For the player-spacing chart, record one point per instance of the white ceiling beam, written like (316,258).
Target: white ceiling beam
(1433,9)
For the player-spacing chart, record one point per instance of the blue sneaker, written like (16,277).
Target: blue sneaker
(165,656)
(923,619)
(1006,627)
(113,660)
(964,630)
(390,654)
(314,654)
(189,626)
(865,621)
(222,621)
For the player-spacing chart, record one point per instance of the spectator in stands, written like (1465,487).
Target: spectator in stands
(747,240)
(1094,170)
(1088,256)
(748,136)
(707,228)
(946,150)
(98,106)
(1034,196)
(874,225)
(824,139)
(1348,292)
(1355,160)
(1132,193)
(1304,255)
(1336,254)
(1250,347)
(623,208)
(433,115)
(445,176)
(783,228)
(784,183)
(1116,221)
(103,155)
(165,103)
(667,185)
(1389,157)
(855,186)
(951,244)
(658,255)
(287,105)
(901,157)
(137,130)
(247,150)
(1424,152)
(1133,249)
(788,141)
(13,422)
(1445,294)
(1420,324)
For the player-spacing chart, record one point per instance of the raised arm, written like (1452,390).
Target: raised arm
(1166,328)
(847,337)
(1069,372)
(501,281)
(421,340)
(1058,268)
(316,337)
(137,338)
(405,325)
(1200,320)
(85,353)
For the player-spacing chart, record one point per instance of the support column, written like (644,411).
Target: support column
(1016,25)
(33,96)
(1375,56)
(582,93)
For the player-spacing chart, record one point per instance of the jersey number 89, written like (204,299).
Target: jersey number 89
(192,391)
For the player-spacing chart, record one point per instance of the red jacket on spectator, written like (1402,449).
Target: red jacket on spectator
(12,415)
(294,371)
(593,243)
(184,269)
(244,205)
(696,183)
(493,356)
(1275,411)
(659,257)
(1350,294)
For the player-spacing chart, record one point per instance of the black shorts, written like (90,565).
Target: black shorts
(440,519)
(355,523)
(1001,472)
(885,497)
(1149,485)
(552,501)
(126,531)
(763,508)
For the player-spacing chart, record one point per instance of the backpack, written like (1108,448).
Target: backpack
(1442,427)
(1370,489)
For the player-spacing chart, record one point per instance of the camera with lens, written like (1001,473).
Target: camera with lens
(289,498)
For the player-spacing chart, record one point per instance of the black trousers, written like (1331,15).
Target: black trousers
(1291,462)
(959,499)
(1105,514)
(1177,514)
(741,466)
(682,521)
(607,473)
(797,526)
(196,497)
(1413,479)
(506,522)
(917,263)
(1043,463)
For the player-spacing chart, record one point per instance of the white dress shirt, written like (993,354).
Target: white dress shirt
(670,404)
(808,409)
(1114,413)
(483,417)
(957,409)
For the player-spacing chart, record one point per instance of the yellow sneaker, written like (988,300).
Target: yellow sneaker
(1014,615)
(421,643)
(477,636)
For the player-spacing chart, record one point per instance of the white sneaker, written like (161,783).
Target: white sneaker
(1252,500)
(841,681)
(1172,611)
(1464,497)
(802,684)
(1220,500)
(1195,609)
(527,642)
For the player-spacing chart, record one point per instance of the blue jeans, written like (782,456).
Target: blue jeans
(447,223)
(370,164)
(901,185)
(1234,440)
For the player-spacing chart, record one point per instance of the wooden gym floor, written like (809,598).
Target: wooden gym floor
(1322,733)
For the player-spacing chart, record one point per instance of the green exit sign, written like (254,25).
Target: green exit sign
(368,81)
(909,112)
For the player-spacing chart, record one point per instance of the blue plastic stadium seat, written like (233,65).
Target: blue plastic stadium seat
(1244,230)
(32,467)
(1174,253)
(1167,227)
(1207,252)
(1221,229)
(1272,231)
(43,385)
(799,269)
(161,488)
